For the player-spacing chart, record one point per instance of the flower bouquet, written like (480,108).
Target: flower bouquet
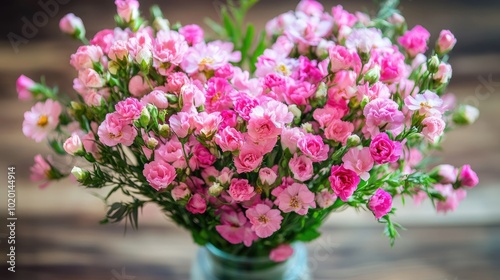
(250,142)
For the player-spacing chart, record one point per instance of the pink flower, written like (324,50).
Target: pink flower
(384,150)
(427,103)
(86,56)
(301,167)
(41,170)
(339,130)
(138,86)
(359,161)
(128,10)
(296,197)
(180,124)
(193,33)
(281,253)
(157,98)
(159,174)
(229,139)
(170,47)
(267,176)
(313,147)
(267,120)
(342,17)
(192,97)
(445,42)
(452,198)
(343,182)
(384,113)
(180,191)
(73,144)
(325,199)
(202,156)
(196,204)
(90,78)
(392,67)
(218,95)
(443,75)
(265,221)
(129,109)
(171,152)
(113,131)
(340,58)
(447,174)
(72,25)
(241,190)
(289,138)
(118,51)
(176,81)
(236,228)
(414,41)
(249,158)
(380,203)
(41,119)
(310,7)
(327,114)
(243,105)
(24,87)
(468,177)
(433,128)
(103,39)
(207,124)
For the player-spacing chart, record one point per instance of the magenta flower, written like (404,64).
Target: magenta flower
(415,40)
(129,109)
(296,197)
(359,161)
(236,228)
(468,177)
(313,147)
(265,221)
(196,204)
(380,203)
(24,87)
(159,174)
(384,150)
(41,119)
(281,253)
(445,42)
(343,182)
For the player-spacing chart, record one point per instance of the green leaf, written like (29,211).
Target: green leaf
(229,26)
(259,50)
(308,235)
(247,42)
(217,28)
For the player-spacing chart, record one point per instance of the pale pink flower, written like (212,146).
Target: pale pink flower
(41,119)
(90,78)
(366,39)
(159,174)
(240,190)
(207,124)
(443,75)
(384,150)
(445,42)
(427,103)
(169,47)
(374,91)
(171,152)
(313,147)
(41,170)
(113,131)
(103,39)
(128,10)
(196,204)
(86,56)
(384,113)
(468,177)
(380,203)
(447,174)
(229,139)
(452,198)
(301,167)
(433,128)
(236,228)
(327,114)
(72,25)
(219,93)
(24,87)
(289,138)
(308,31)
(180,191)
(340,58)
(249,158)
(118,51)
(192,96)
(180,124)
(325,199)
(281,253)
(342,17)
(359,161)
(296,197)
(73,144)
(157,98)
(193,33)
(310,7)
(265,221)
(414,41)
(204,57)
(176,81)
(343,182)
(129,109)
(138,86)
(339,130)
(267,120)
(267,176)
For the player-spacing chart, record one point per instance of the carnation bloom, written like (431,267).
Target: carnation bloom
(415,40)
(468,177)
(265,221)
(73,144)
(296,197)
(129,109)
(433,128)
(113,131)
(229,139)
(343,182)
(313,147)
(445,42)
(384,150)
(41,119)
(249,158)
(159,174)
(301,167)
(325,198)
(236,228)
(282,252)
(452,198)
(169,47)
(41,171)
(127,9)
(196,204)
(380,203)
(383,113)
(359,161)
(241,190)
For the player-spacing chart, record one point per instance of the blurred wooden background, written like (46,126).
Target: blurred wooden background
(58,235)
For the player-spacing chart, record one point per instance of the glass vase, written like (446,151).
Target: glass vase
(214,264)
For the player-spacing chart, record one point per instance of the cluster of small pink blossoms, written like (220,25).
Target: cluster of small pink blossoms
(338,113)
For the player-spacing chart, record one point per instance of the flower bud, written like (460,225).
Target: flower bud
(25,87)
(145,117)
(161,24)
(152,143)
(113,67)
(307,127)
(295,111)
(433,64)
(445,42)
(164,130)
(364,101)
(72,25)
(80,174)
(322,91)
(465,115)
(373,75)
(353,141)
(468,177)
(73,145)
(267,176)
(215,189)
